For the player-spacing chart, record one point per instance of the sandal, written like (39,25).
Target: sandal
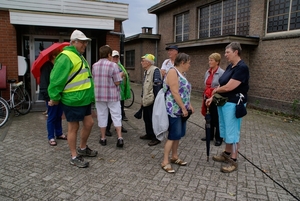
(62,137)
(167,168)
(178,162)
(52,142)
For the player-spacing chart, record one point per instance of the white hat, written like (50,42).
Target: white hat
(78,35)
(115,53)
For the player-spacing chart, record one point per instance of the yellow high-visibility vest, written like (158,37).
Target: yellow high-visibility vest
(82,80)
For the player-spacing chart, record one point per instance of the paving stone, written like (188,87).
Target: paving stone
(32,170)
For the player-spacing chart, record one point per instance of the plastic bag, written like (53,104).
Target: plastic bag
(160,119)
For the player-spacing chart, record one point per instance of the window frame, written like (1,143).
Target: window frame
(285,32)
(237,23)
(185,21)
(130,63)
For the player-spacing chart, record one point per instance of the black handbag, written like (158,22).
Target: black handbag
(184,119)
(240,109)
(139,113)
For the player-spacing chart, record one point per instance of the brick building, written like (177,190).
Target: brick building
(268,30)
(27,27)
(137,46)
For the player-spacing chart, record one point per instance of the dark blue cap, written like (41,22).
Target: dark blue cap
(175,47)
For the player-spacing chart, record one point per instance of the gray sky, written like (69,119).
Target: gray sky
(138,16)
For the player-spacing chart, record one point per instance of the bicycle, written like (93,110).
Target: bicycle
(129,102)
(19,101)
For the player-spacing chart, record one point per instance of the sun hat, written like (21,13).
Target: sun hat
(175,47)
(115,53)
(149,57)
(78,35)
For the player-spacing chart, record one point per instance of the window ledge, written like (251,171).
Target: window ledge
(282,35)
(244,40)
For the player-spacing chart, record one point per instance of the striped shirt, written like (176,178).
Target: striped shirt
(105,74)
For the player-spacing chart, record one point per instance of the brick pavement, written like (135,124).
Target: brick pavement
(32,170)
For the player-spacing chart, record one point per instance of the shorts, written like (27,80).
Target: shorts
(230,126)
(177,128)
(75,114)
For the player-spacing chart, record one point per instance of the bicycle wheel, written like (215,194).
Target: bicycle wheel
(129,102)
(21,100)
(4,112)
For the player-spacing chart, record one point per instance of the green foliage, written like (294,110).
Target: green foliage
(295,105)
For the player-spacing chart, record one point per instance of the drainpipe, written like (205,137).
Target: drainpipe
(156,53)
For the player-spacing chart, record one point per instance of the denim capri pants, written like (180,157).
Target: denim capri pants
(177,128)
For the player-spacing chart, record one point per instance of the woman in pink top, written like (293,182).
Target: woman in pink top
(107,79)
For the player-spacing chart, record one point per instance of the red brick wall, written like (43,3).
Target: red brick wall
(8,49)
(113,40)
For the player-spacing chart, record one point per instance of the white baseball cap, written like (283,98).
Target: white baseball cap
(115,53)
(78,35)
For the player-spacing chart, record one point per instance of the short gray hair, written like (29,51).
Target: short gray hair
(235,46)
(181,57)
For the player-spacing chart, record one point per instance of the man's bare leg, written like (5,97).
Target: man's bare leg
(88,123)
(72,137)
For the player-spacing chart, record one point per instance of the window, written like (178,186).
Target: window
(283,15)
(227,17)
(130,58)
(182,27)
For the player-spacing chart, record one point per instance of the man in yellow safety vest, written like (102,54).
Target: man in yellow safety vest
(71,83)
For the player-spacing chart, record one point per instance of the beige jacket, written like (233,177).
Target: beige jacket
(148,95)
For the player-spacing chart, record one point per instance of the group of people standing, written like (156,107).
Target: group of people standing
(69,85)
(72,87)
(224,124)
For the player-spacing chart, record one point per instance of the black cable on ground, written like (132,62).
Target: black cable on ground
(269,176)
(258,168)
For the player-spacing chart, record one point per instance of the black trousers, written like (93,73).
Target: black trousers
(214,123)
(147,116)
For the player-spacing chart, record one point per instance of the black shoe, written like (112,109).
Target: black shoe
(123,130)
(145,137)
(204,139)
(125,118)
(153,142)
(120,142)
(102,142)
(218,143)
(108,133)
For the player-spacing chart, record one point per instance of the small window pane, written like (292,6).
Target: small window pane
(204,22)
(130,58)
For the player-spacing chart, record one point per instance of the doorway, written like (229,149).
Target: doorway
(39,45)
(31,47)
